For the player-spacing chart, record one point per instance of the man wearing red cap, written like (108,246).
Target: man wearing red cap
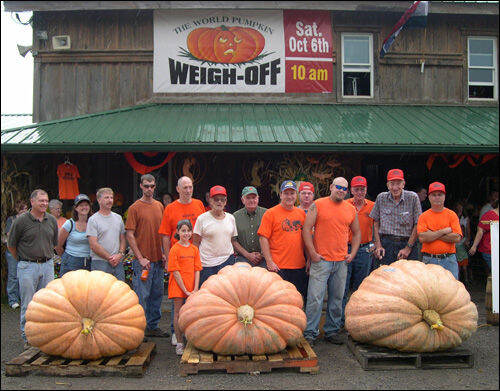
(395,216)
(306,195)
(361,264)
(439,229)
(214,234)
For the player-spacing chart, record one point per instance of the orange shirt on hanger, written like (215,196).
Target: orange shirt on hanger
(68,181)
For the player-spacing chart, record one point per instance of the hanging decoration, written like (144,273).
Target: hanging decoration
(453,161)
(190,166)
(68,176)
(144,163)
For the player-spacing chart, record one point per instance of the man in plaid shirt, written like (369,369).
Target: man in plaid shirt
(395,216)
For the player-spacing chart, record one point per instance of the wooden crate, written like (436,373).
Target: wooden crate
(33,361)
(378,358)
(301,356)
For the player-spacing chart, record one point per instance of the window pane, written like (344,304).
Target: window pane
(480,75)
(481,92)
(481,60)
(481,46)
(356,83)
(356,49)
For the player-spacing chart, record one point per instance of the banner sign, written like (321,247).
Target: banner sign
(242,51)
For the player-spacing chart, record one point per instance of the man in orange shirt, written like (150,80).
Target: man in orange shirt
(332,219)
(186,207)
(361,264)
(439,229)
(281,240)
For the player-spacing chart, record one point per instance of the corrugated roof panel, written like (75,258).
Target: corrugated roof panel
(266,127)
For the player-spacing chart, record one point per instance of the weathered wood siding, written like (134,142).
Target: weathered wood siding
(110,63)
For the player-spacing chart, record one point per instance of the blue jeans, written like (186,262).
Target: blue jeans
(150,292)
(357,270)
(325,275)
(209,271)
(70,263)
(12,282)
(32,277)
(449,263)
(118,271)
(392,248)
(487,259)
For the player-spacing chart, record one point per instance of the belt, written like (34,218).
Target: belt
(395,238)
(38,260)
(440,256)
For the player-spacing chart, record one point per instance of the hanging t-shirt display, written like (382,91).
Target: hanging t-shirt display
(68,181)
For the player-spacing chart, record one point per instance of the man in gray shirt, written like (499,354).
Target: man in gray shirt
(106,233)
(247,223)
(31,242)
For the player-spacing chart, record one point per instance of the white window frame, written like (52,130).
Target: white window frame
(368,68)
(495,69)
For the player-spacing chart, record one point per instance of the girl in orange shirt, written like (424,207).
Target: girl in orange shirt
(184,265)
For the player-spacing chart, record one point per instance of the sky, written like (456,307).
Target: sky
(17,72)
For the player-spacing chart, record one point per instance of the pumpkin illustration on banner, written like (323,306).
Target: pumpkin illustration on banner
(226,45)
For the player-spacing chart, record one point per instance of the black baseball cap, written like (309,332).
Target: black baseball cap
(81,197)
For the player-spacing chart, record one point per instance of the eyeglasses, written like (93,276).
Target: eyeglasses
(343,188)
(149,186)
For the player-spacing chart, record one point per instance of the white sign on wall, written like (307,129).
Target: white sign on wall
(494,265)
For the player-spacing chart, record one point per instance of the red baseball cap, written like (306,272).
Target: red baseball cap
(216,190)
(358,181)
(395,173)
(436,186)
(306,186)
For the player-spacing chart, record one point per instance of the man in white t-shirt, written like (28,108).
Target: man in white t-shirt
(214,233)
(106,233)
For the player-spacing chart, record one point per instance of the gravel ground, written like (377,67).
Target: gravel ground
(338,367)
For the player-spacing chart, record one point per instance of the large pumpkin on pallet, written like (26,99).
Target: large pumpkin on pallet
(85,315)
(411,307)
(243,310)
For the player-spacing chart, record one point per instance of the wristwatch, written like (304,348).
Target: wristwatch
(410,245)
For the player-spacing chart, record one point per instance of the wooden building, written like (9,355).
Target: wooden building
(429,106)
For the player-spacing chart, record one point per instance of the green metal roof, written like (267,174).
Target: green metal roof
(265,127)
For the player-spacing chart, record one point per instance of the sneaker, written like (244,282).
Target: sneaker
(156,333)
(179,349)
(335,339)
(14,306)
(174,340)
(310,340)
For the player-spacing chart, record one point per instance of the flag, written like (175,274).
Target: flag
(415,16)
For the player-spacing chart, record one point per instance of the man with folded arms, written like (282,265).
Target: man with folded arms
(395,216)
(31,242)
(439,229)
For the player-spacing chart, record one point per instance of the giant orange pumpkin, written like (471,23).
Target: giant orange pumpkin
(85,315)
(411,306)
(243,309)
(227,45)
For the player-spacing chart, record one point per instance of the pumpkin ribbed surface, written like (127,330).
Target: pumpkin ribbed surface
(243,310)
(85,315)
(411,306)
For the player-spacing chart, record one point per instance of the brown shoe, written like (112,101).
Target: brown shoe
(159,333)
(335,339)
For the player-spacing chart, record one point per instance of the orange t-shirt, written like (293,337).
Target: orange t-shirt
(365,221)
(68,181)
(176,211)
(433,221)
(332,227)
(145,219)
(283,229)
(185,260)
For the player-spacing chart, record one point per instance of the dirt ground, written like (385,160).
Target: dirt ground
(339,368)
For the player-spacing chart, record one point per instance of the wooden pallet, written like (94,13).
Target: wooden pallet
(130,364)
(301,356)
(378,358)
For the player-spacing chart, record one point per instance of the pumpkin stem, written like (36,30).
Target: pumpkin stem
(433,319)
(245,314)
(224,28)
(88,326)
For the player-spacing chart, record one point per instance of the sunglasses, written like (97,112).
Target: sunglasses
(149,186)
(341,187)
